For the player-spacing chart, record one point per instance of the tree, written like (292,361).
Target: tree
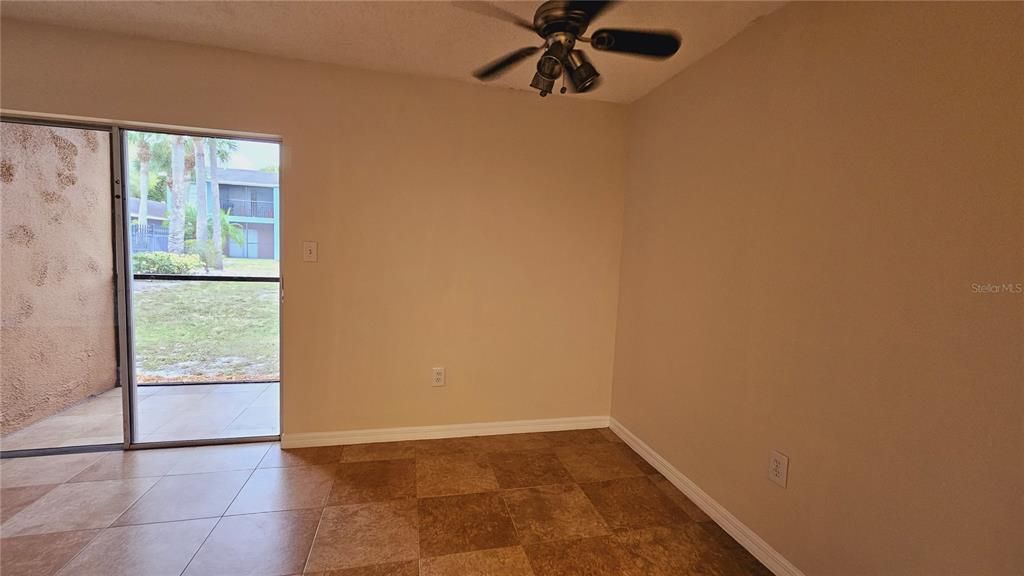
(233,232)
(200,166)
(178,185)
(143,151)
(230,232)
(160,163)
(218,248)
(149,152)
(225,148)
(220,150)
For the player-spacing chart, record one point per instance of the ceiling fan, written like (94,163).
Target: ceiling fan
(563,23)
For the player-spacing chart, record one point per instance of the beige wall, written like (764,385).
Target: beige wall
(57,335)
(807,210)
(453,229)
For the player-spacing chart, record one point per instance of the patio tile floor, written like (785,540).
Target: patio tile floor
(166,413)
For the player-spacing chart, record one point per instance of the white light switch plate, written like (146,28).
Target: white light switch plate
(309,251)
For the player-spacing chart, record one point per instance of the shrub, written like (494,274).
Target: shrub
(164,263)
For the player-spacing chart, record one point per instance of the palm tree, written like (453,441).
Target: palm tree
(230,231)
(141,141)
(218,245)
(176,234)
(225,148)
(200,166)
(219,150)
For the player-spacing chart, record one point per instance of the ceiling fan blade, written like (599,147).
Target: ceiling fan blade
(592,8)
(654,44)
(492,11)
(499,66)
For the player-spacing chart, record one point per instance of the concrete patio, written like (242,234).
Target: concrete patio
(165,413)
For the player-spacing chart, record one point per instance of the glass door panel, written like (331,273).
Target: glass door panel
(205,298)
(58,338)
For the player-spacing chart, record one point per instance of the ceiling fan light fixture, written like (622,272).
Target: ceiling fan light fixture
(549,69)
(549,66)
(582,74)
(543,83)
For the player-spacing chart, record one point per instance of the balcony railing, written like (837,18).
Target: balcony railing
(249,208)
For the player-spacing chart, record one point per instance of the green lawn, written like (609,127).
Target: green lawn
(249,267)
(195,331)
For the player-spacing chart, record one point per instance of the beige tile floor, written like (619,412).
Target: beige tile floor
(166,413)
(546,504)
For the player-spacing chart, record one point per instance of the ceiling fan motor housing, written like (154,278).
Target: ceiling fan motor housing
(558,16)
(559,24)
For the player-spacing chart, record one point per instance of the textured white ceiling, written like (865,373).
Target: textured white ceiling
(435,39)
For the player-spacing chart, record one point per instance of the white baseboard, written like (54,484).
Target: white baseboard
(738,530)
(308,439)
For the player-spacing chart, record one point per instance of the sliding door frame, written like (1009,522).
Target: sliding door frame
(125,253)
(119,338)
(126,349)
(124,334)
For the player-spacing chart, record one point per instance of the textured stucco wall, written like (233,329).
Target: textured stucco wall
(57,342)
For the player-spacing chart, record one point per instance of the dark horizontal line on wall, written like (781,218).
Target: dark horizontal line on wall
(202,278)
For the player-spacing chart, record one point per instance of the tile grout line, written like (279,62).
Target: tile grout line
(312,542)
(203,543)
(511,518)
(247,406)
(158,522)
(204,398)
(79,553)
(251,474)
(323,510)
(221,517)
(99,531)
(199,401)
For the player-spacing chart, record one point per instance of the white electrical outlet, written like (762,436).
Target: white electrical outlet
(778,468)
(437,376)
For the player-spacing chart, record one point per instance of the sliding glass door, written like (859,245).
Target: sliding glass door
(59,378)
(203,221)
(140,283)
